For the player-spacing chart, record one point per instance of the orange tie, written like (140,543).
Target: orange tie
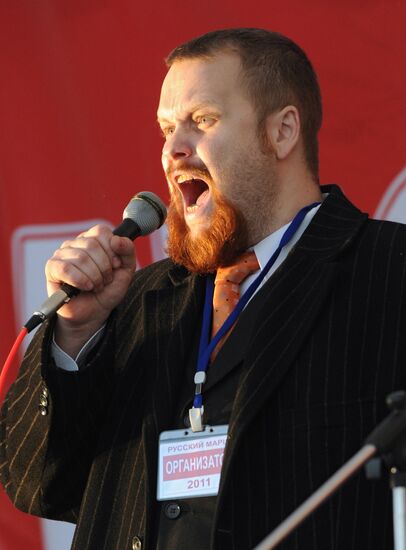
(227,292)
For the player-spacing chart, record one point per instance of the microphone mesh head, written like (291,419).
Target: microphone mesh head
(147,211)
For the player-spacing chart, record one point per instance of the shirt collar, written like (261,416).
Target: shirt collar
(265,248)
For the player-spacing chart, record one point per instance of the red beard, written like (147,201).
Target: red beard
(216,246)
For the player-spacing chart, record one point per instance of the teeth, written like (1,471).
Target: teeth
(183,178)
(192,208)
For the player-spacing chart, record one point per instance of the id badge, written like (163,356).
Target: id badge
(189,463)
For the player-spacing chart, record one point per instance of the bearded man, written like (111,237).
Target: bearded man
(289,381)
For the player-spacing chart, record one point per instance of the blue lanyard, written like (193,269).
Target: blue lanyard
(206,346)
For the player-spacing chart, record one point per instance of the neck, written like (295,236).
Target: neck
(287,202)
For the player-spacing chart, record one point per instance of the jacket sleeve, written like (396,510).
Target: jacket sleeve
(54,423)
(50,423)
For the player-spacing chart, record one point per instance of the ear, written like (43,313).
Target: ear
(283,130)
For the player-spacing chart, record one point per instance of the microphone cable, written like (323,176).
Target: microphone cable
(7,367)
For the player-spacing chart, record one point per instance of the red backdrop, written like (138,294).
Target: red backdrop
(79,87)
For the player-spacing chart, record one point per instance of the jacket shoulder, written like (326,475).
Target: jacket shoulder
(155,273)
(384,235)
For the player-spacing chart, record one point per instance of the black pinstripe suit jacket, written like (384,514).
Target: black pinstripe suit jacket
(328,345)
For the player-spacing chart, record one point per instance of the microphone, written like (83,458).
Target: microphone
(144,214)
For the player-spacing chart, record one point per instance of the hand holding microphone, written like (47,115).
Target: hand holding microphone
(90,275)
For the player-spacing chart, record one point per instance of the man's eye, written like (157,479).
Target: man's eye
(204,121)
(168,131)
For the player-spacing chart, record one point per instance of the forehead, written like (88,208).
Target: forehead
(191,82)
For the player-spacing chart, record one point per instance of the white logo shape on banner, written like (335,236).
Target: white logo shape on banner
(393,203)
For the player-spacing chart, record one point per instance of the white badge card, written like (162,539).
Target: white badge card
(189,463)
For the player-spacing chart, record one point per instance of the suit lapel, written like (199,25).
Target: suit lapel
(171,317)
(235,348)
(292,300)
(291,305)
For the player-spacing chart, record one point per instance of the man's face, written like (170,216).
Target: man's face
(212,154)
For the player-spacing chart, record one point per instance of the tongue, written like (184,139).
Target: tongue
(201,198)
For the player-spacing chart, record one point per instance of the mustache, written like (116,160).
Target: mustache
(199,171)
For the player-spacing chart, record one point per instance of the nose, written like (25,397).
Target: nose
(178,146)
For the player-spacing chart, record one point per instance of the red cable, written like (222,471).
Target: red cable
(6,370)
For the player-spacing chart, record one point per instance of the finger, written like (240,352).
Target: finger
(96,249)
(124,249)
(102,233)
(65,271)
(88,256)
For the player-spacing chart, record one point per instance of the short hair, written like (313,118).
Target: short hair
(276,73)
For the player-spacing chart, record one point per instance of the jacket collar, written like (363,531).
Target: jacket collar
(333,228)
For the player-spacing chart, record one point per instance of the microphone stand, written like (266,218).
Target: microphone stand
(388,440)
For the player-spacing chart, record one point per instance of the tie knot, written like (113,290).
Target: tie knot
(243,266)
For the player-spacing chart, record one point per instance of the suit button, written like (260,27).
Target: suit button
(43,410)
(43,401)
(136,543)
(172,510)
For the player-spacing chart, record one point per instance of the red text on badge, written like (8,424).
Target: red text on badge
(193,464)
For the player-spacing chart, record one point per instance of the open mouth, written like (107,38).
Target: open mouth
(195,193)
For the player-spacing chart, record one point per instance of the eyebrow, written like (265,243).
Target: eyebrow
(205,104)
